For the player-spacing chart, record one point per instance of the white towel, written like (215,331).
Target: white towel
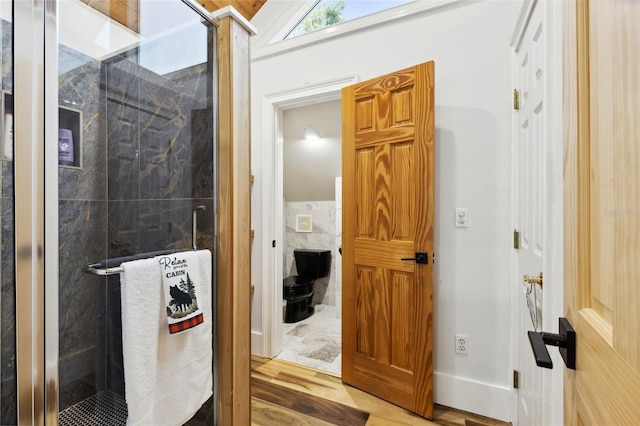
(167,376)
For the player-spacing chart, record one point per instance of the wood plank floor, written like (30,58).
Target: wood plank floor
(283,393)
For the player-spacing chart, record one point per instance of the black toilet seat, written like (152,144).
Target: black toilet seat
(296,287)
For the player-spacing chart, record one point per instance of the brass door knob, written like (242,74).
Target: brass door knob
(533,280)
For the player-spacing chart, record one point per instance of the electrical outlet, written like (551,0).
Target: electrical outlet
(461,217)
(462,344)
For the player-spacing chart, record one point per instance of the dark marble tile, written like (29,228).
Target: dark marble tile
(124,228)
(202,170)
(77,390)
(184,157)
(121,81)
(156,227)
(193,83)
(157,95)
(8,309)
(123,145)
(82,236)
(7,53)
(79,366)
(8,409)
(7,179)
(182,223)
(158,160)
(79,90)
(82,296)
(178,106)
(8,337)
(70,59)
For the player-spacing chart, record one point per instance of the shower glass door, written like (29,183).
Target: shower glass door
(8,402)
(136,113)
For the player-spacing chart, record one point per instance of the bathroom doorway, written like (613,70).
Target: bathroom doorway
(312,219)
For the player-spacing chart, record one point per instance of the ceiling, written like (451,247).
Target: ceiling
(127,12)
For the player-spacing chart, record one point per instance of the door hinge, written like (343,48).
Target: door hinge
(516,380)
(516,239)
(516,99)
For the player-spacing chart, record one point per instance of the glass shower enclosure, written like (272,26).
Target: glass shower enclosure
(126,154)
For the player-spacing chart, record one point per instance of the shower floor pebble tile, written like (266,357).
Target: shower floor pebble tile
(316,341)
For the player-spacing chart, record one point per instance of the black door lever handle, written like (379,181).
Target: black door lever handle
(565,340)
(421,258)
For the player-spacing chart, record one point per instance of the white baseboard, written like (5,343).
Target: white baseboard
(256,343)
(476,397)
(451,391)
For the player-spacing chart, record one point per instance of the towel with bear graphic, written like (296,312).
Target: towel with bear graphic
(181,281)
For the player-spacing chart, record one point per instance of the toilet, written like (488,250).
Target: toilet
(298,289)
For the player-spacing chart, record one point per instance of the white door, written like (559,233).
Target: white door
(530,208)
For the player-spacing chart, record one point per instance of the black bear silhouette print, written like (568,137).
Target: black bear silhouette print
(183,300)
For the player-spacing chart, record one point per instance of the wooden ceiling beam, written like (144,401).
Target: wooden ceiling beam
(247,8)
(126,12)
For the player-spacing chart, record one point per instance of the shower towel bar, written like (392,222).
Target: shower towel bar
(112,266)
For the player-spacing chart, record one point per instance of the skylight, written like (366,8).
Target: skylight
(331,12)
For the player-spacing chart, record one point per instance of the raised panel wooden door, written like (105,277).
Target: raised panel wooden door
(388,207)
(602,210)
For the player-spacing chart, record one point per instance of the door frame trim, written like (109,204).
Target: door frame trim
(553,269)
(269,343)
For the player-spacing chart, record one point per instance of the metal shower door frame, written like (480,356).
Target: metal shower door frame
(36,187)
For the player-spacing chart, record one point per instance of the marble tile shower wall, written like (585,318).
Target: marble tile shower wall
(7,308)
(323,236)
(160,155)
(82,236)
(147,161)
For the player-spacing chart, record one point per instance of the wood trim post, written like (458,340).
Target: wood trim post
(233,226)
(571,172)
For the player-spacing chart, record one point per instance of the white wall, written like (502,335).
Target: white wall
(469,43)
